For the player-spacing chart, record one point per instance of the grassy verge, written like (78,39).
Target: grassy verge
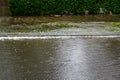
(115,26)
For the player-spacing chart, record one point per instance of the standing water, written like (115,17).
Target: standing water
(60,59)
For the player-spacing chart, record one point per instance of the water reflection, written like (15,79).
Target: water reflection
(60,59)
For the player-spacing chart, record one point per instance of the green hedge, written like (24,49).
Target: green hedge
(46,7)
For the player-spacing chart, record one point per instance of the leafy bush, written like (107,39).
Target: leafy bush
(46,7)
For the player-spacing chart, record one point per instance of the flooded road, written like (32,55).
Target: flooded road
(60,59)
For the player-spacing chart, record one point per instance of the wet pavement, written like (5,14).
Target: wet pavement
(60,59)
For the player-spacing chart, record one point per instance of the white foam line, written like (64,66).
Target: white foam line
(53,37)
(40,37)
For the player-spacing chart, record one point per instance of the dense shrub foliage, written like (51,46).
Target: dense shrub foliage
(46,7)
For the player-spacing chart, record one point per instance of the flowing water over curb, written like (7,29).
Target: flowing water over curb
(87,52)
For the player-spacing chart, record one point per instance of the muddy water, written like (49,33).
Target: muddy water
(60,59)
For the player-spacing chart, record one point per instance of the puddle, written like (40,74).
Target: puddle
(60,59)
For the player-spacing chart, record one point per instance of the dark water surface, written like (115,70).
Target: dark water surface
(60,59)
